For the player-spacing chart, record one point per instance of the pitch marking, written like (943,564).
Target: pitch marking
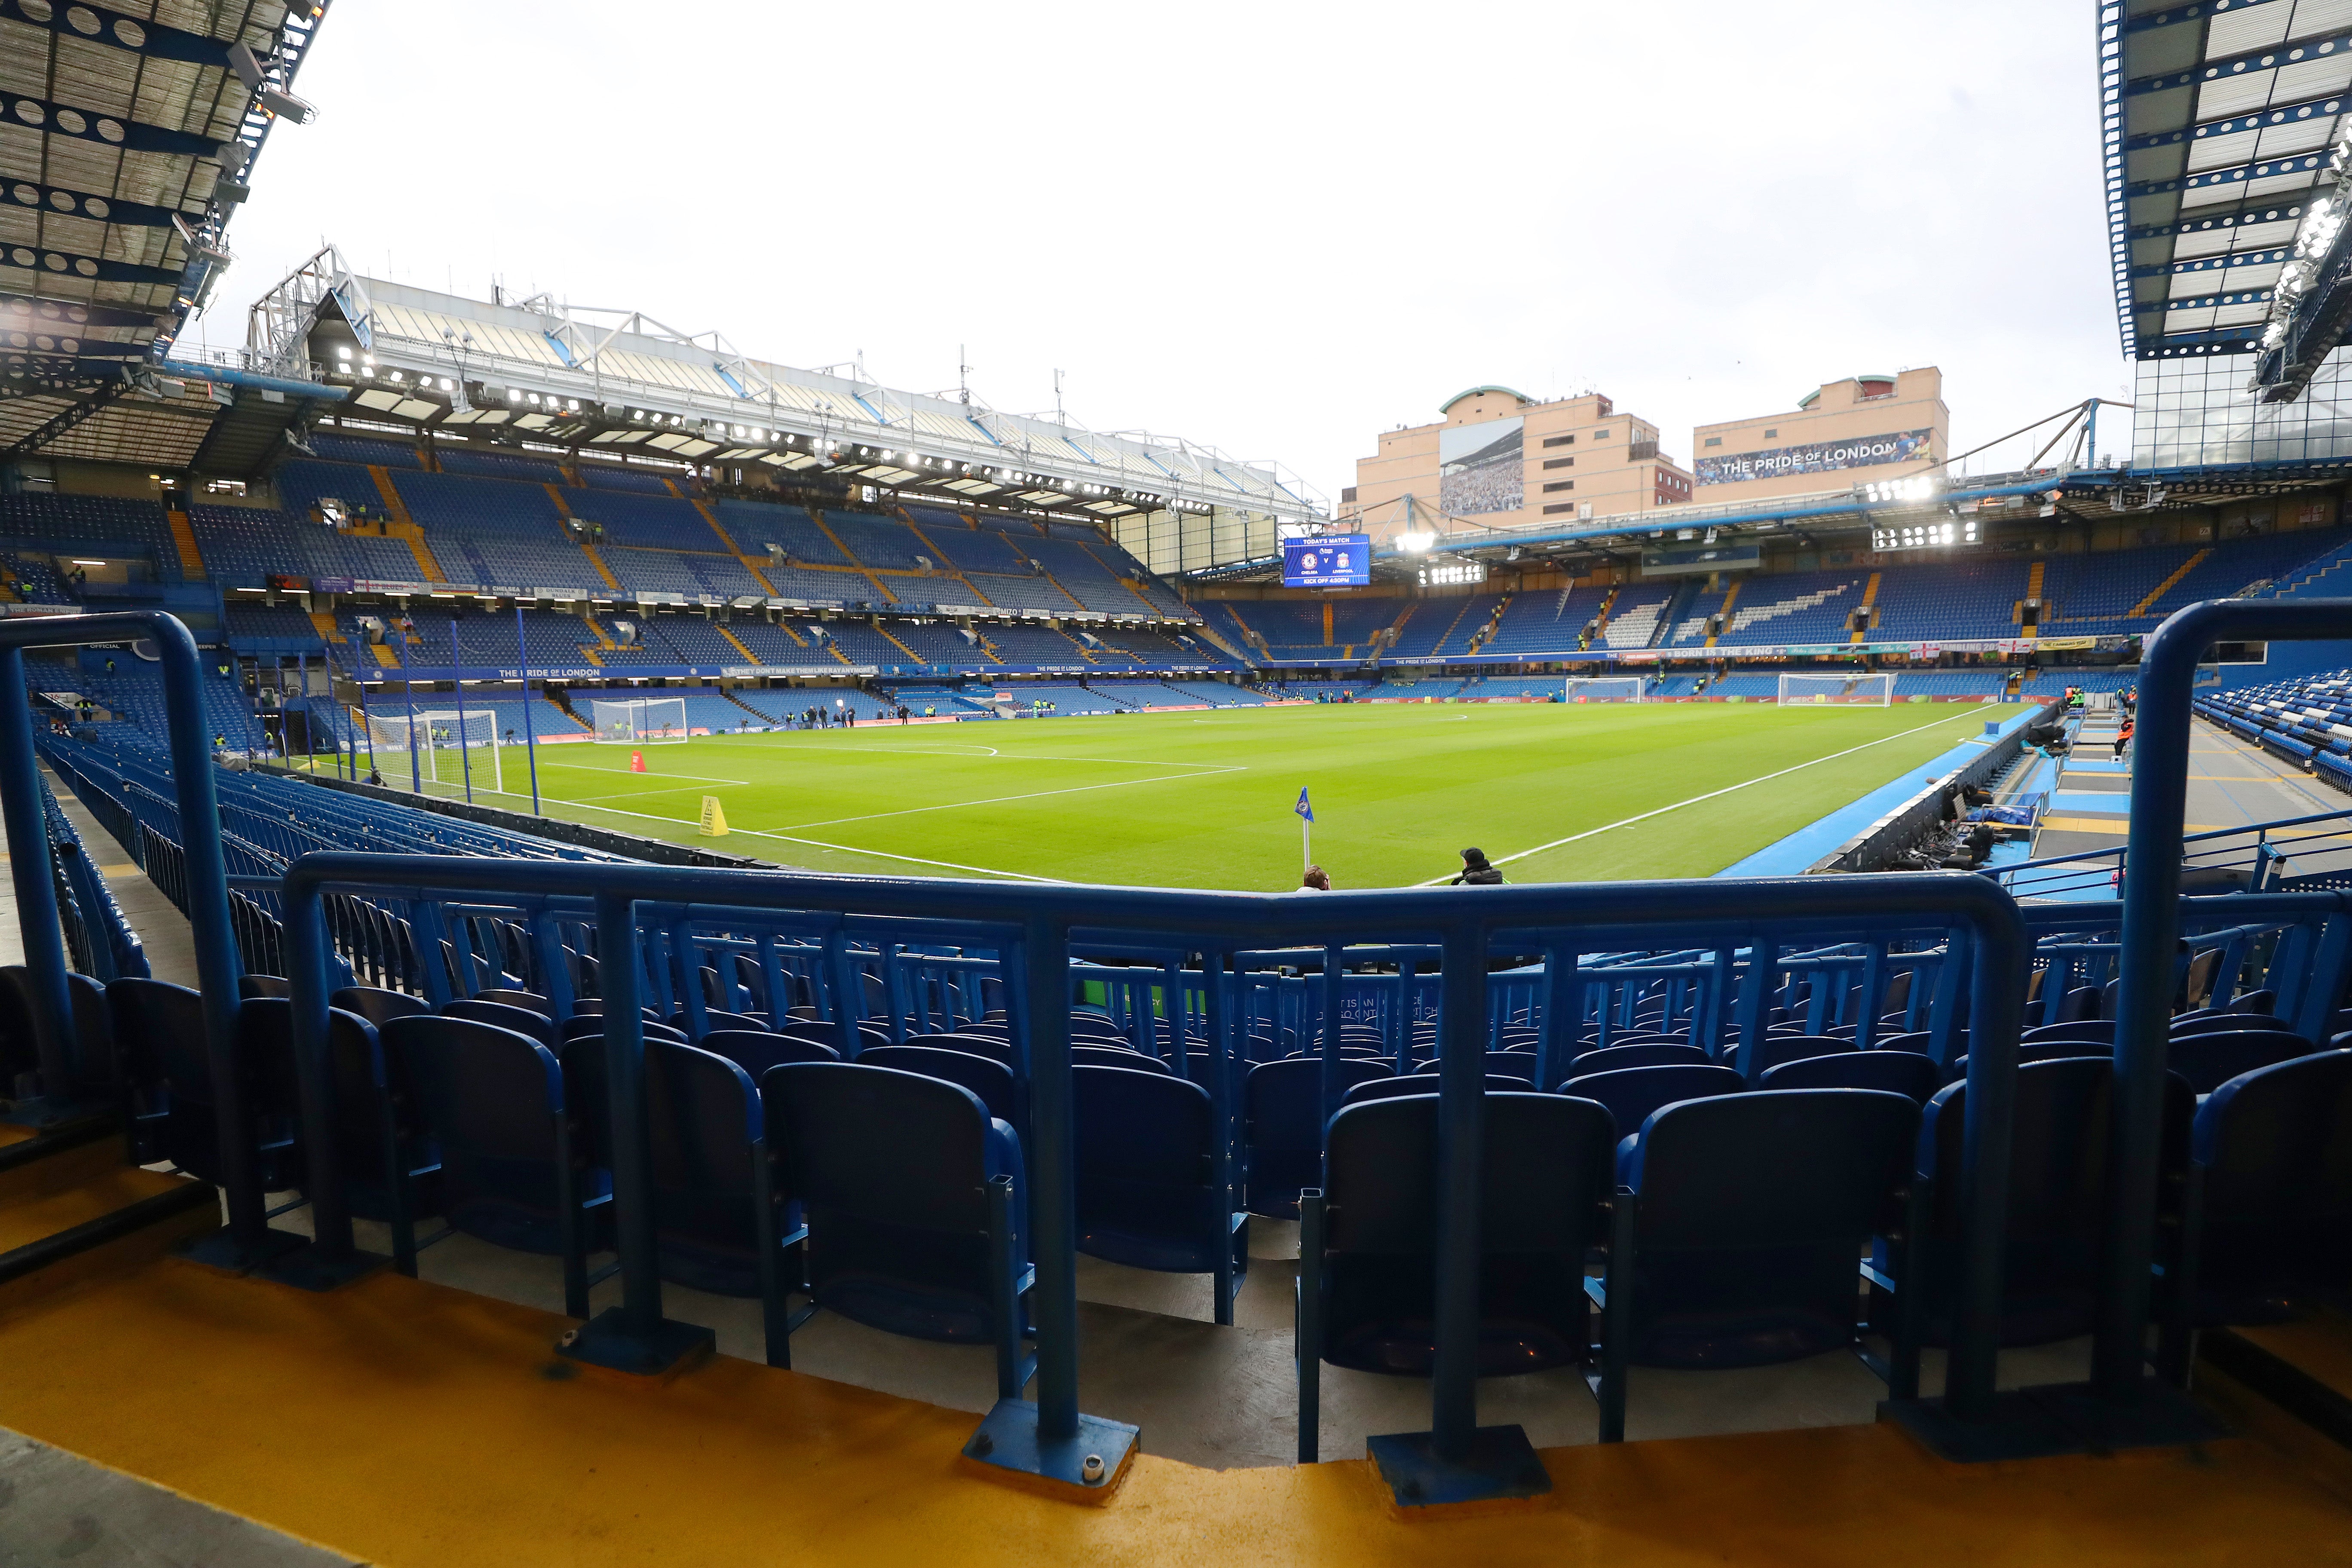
(1006,799)
(1661,811)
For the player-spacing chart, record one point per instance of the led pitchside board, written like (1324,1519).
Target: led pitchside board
(1328,561)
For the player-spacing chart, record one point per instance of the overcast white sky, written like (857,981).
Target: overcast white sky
(1278,229)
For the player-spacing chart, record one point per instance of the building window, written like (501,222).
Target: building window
(1770,434)
(1560,441)
(1559,462)
(1715,440)
(1600,434)
(1564,506)
(1560,485)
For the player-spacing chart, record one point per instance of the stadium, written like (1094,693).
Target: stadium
(624,951)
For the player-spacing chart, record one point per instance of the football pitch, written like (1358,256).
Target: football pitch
(1551,793)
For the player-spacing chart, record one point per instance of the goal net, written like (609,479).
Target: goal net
(1836,691)
(650,721)
(1615,688)
(449,745)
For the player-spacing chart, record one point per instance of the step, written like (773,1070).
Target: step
(70,1208)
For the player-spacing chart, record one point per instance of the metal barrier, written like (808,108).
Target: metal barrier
(2260,853)
(2152,917)
(638,908)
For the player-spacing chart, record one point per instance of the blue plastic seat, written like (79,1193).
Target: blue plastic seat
(997,1047)
(830,1033)
(1774,1049)
(590,1026)
(1117,1057)
(2266,1211)
(377,1005)
(1282,1120)
(756,1050)
(1426,1083)
(2100,1030)
(1368,1236)
(2209,1060)
(522,1021)
(1616,1059)
(715,1019)
(1737,1225)
(1508,1064)
(1147,1190)
(1897,1072)
(986,1076)
(2230,1024)
(2057,1204)
(493,1101)
(1634,1094)
(717,1226)
(913,1203)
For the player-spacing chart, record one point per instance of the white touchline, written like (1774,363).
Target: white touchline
(624,772)
(1661,811)
(813,843)
(1006,799)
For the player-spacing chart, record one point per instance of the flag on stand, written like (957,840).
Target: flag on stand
(1302,808)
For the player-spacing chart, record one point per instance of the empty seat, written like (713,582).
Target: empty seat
(493,1103)
(1426,1083)
(2209,1060)
(1115,1056)
(2267,1209)
(377,1005)
(1147,1193)
(1775,1048)
(1897,1072)
(993,1046)
(1614,1059)
(913,1203)
(1283,1117)
(986,1076)
(1367,1278)
(1634,1095)
(716,1224)
(1739,1220)
(756,1050)
(521,1020)
(591,1026)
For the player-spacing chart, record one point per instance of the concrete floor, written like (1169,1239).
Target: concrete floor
(56,1507)
(1227,1397)
(160,928)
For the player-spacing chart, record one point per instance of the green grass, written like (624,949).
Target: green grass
(1203,799)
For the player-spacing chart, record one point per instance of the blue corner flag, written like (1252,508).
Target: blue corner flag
(1302,808)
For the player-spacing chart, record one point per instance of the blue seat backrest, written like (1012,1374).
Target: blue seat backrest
(1748,1168)
(521,1020)
(756,1050)
(1117,1057)
(707,1125)
(493,1101)
(2227,1024)
(1284,1100)
(995,1047)
(1545,1175)
(897,1148)
(1614,1059)
(161,1030)
(1142,1127)
(588,1027)
(377,1005)
(1426,1083)
(2274,1146)
(2102,1030)
(1775,1050)
(1632,1095)
(1899,1072)
(2208,1061)
(986,1076)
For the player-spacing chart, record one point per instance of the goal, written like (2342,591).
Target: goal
(448,745)
(1613,688)
(649,721)
(1836,691)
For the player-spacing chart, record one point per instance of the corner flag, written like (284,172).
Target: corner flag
(1302,808)
(1306,829)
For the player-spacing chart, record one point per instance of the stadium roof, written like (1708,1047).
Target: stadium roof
(2217,118)
(128,134)
(619,383)
(1447,407)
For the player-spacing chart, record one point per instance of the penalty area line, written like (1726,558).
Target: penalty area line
(1727,789)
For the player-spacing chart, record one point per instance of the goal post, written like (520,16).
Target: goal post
(1607,689)
(1836,691)
(640,722)
(447,745)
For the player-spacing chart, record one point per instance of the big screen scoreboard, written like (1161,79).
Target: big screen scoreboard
(1328,561)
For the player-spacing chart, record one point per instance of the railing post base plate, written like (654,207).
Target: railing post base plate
(2055,1418)
(1008,1445)
(307,1268)
(221,1249)
(1502,1465)
(608,1340)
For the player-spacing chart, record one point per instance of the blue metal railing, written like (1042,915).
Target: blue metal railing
(1034,929)
(2263,852)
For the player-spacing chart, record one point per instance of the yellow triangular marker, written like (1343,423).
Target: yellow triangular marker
(714,820)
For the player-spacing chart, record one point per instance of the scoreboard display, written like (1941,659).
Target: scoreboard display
(1328,561)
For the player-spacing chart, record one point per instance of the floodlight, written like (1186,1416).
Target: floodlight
(1416,542)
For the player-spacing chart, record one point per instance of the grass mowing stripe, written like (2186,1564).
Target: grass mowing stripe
(1711,794)
(1033,795)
